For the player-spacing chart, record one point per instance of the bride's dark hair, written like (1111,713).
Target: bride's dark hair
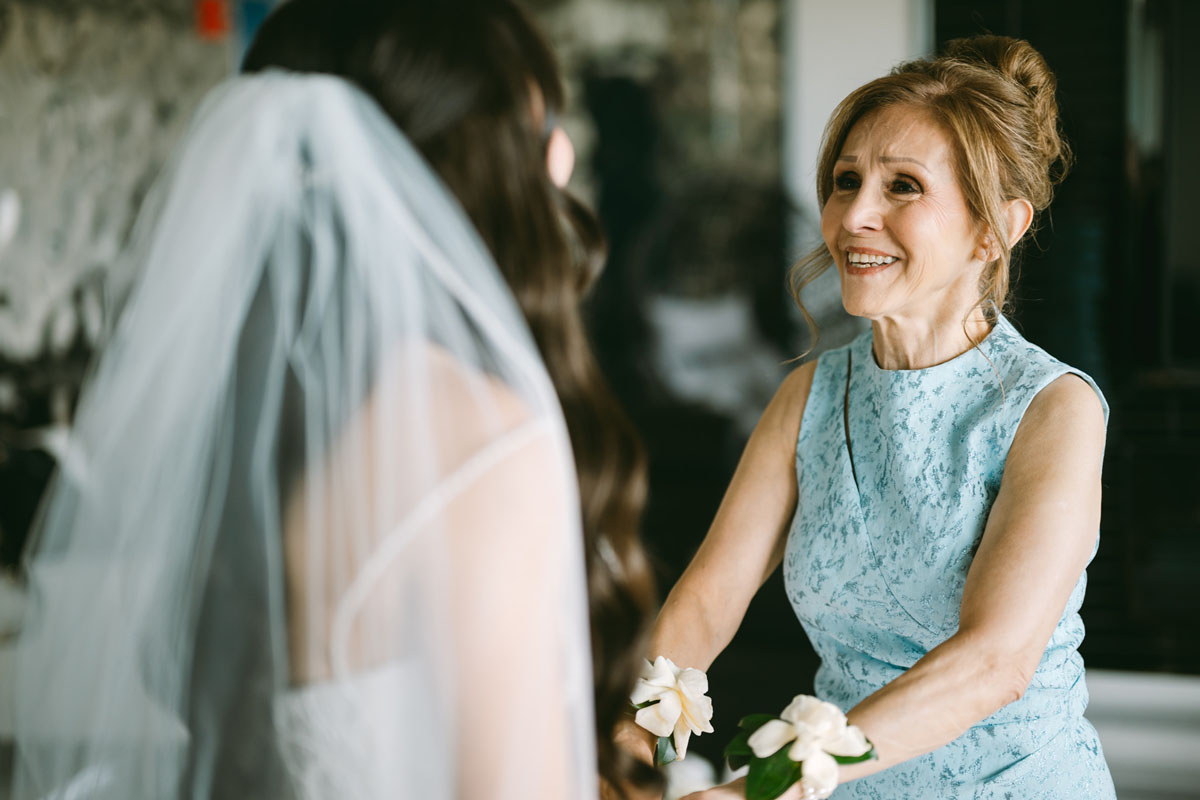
(470,82)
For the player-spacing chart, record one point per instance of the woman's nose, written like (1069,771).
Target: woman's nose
(865,211)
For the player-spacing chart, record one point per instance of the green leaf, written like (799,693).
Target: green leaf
(737,762)
(770,777)
(738,752)
(753,722)
(867,756)
(665,752)
(640,706)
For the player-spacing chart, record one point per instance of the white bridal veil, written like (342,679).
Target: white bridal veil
(317,531)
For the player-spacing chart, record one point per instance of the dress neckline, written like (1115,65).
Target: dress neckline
(865,355)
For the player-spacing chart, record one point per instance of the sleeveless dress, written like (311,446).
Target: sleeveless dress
(877,556)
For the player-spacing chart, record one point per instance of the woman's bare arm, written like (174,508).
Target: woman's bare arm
(743,547)
(745,543)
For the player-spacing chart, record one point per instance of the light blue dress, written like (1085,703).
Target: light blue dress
(880,546)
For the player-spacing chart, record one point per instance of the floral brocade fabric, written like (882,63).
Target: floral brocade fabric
(897,471)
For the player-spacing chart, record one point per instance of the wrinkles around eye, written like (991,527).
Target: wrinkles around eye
(849,182)
(904,186)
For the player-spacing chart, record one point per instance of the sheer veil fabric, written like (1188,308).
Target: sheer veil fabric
(317,534)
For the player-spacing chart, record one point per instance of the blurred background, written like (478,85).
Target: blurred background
(697,124)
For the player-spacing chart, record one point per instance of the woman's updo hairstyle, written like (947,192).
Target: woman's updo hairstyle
(995,98)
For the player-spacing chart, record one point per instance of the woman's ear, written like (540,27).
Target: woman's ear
(560,157)
(1019,215)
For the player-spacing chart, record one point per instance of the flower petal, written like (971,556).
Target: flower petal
(682,734)
(773,735)
(820,773)
(693,682)
(800,708)
(823,718)
(660,718)
(644,692)
(698,713)
(852,742)
(661,673)
(805,745)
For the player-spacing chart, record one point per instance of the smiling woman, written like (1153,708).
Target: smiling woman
(901,234)
(932,490)
(981,123)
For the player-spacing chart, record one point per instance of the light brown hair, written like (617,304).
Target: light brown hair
(995,98)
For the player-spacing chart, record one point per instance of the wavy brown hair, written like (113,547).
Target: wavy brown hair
(994,96)
(462,80)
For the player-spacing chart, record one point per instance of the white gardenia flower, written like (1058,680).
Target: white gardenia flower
(817,731)
(680,703)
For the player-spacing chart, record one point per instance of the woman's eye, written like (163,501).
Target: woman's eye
(845,181)
(905,186)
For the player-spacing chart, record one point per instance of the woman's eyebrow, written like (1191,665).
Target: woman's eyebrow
(908,159)
(887,159)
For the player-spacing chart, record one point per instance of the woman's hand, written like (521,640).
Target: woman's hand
(635,740)
(639,743)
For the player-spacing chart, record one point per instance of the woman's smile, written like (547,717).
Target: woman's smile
(866,261)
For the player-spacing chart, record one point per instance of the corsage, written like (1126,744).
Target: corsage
(805,743)
(673,704)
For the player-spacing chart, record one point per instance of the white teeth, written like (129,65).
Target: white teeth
(863,258)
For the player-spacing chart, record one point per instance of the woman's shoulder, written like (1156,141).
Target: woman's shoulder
(807,383)
(1018,358)
(795,387)
(781,420)
(1068,396)
(1035,379)
(799,382)
(810,379)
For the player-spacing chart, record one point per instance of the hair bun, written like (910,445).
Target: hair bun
(1015,58)
(1018,61)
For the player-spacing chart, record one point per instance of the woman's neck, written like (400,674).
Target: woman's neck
(917,343)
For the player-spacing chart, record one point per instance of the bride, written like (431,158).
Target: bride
(318,532)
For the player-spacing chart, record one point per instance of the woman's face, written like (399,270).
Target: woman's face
(897,223)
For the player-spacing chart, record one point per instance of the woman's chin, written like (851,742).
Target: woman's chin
(867,297)
(857,306)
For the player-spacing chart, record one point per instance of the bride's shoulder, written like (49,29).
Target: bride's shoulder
(462,404)
(466,386)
